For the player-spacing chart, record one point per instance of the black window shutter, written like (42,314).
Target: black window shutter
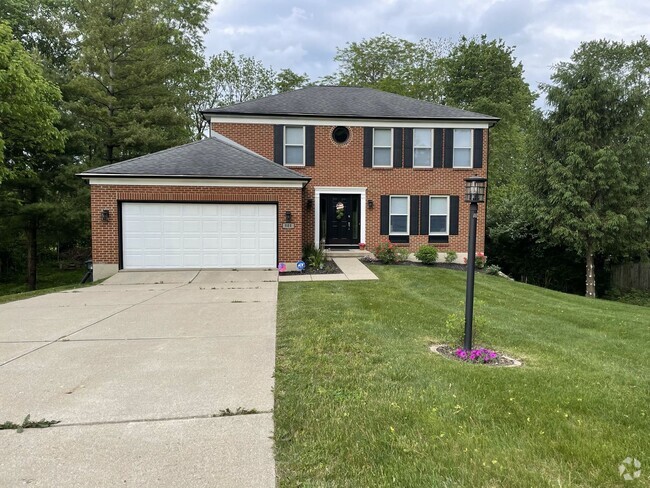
(408,148)
(424,215)
(449,148)
(478,148)
(385,215)
(367,147)
(278,144)
(397,148)
(453,215)
(309,145)
(415,215)
(437,148)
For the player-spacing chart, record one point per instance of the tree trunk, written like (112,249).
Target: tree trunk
(32,257)
(591,274)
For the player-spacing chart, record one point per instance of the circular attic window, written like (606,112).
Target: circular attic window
(341,134)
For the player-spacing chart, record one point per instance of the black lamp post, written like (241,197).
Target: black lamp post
(474,194)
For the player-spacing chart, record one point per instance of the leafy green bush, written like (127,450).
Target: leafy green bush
(388,253)
(493,269)
(451,257)
(427,254)
(316,259)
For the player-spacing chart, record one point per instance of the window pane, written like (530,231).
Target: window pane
(438,206)
(422,137)
(422,157)
(437,224)
(398,223)
(294,135)
(294,155)
(382,157)
(399,205)
(462,137)
(382,137)
(462,158)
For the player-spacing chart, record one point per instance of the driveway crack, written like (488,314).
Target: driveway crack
(63,338)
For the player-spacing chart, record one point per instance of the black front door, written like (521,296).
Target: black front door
(341,214)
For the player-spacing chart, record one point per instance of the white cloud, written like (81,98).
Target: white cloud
(304,35)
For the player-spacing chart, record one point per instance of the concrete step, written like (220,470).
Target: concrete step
(346,253)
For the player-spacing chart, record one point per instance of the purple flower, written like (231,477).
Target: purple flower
(476,355)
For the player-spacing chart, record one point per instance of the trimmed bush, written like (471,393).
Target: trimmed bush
(427,254)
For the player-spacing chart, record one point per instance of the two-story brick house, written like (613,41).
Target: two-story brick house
(333,166)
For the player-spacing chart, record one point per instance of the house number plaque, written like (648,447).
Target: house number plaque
(288,225)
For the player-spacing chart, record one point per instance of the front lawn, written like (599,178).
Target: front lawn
(49,278)
(360,400)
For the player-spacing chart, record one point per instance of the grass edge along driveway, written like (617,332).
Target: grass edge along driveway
(361,402)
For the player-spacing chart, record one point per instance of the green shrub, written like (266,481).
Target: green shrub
(307,250)
(316,259)
(479,260)
(493,269)
(388,253)
(427,254)
(451,257)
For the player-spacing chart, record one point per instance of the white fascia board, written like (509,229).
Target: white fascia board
(416,123)
(224,183)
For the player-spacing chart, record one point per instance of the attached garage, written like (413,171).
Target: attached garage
(198,235)
(207,204)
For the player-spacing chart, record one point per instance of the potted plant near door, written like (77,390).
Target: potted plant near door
(362,245)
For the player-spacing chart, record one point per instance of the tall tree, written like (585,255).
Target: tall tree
(28,138)
(484,76)
(592,178)
(288,80)
(392,64)
(227,79)
(134,58)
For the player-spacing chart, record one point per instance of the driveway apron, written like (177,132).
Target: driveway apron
(157,379)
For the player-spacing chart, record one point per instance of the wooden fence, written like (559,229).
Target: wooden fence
(631,275)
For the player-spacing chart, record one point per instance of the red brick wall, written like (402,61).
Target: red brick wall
(105,234)
(342,165)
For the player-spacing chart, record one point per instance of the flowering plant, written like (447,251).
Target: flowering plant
(476,355)
(388,253)
(479,260)
(362,245)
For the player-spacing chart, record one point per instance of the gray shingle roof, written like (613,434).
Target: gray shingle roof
(344,101)
(208,158)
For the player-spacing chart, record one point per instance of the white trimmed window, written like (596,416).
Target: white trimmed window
(399,215)
(422,148)
(294,145)
(438,216)
(382,148)
(462,148)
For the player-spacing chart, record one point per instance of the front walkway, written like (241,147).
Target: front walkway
(351,269)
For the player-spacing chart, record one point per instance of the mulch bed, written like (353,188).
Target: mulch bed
(450,353)
(329,268)
(455,266)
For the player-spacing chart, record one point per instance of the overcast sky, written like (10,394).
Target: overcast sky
(304,35)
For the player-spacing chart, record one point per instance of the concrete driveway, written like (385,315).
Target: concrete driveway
(139,371)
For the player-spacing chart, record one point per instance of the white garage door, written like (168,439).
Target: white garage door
(197,235)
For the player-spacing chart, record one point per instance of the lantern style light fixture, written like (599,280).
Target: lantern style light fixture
(287,216)
(474,194)
(475,189)
(105,215)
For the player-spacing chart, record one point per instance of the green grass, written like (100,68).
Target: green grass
(360,400)
(48,279)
